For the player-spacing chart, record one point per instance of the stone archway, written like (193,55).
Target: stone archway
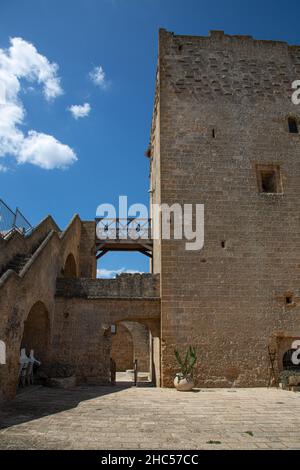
(88,308)
(129,343)
(70,267)
(36,334)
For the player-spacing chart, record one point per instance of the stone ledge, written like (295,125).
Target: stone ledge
(133,286)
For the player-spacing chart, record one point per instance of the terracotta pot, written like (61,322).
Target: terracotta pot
(185,384)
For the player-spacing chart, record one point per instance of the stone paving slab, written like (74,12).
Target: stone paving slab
(151,418)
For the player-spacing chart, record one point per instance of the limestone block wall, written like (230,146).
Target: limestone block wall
(16,244)
(17,297)
(88,262)
(155,176)
(34,285)
(70,242)
(124,286)
(81,335)
(223,107)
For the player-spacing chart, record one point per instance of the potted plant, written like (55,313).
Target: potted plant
(184,381)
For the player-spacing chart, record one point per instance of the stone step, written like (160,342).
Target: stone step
(18,263)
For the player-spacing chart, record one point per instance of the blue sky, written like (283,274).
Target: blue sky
(109,143)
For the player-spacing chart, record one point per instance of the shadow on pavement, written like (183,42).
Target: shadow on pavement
(36,401)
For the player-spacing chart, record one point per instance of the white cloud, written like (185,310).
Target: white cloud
(3,168)
(45,151)
(112,273)
(23,61)
(97,75)
(80,110)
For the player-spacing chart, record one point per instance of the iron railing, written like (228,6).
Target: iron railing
(123,229)
(10,221)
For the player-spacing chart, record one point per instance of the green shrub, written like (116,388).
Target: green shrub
(188,363)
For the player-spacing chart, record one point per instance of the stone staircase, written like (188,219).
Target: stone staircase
(17,263)
(19,260)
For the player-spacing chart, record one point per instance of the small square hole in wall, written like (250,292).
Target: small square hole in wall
(289,299)
(269,179)
(268,182)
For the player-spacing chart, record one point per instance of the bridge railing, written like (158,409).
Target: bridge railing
(10,221)
(123,229)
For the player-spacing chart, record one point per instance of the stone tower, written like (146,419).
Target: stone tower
(224,134)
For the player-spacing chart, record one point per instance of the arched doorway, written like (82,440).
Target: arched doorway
(36,332)
(122,349)
(130,347)
(287,361)
(70,268)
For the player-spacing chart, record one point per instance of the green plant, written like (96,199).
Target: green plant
(187,365)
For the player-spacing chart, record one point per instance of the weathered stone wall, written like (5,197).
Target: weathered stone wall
(124,286)
(70,243)
(16,244)
(67,320)
(223,108)
(81,334)
(155,177)
(36,283)
(88,263)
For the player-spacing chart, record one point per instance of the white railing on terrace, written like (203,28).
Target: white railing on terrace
(12,221)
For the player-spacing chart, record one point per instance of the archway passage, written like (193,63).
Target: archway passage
(128,298)
(130,349)
(36,332)
(122,349)
(70,268)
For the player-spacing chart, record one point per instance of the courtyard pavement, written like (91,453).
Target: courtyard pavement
(151,418)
